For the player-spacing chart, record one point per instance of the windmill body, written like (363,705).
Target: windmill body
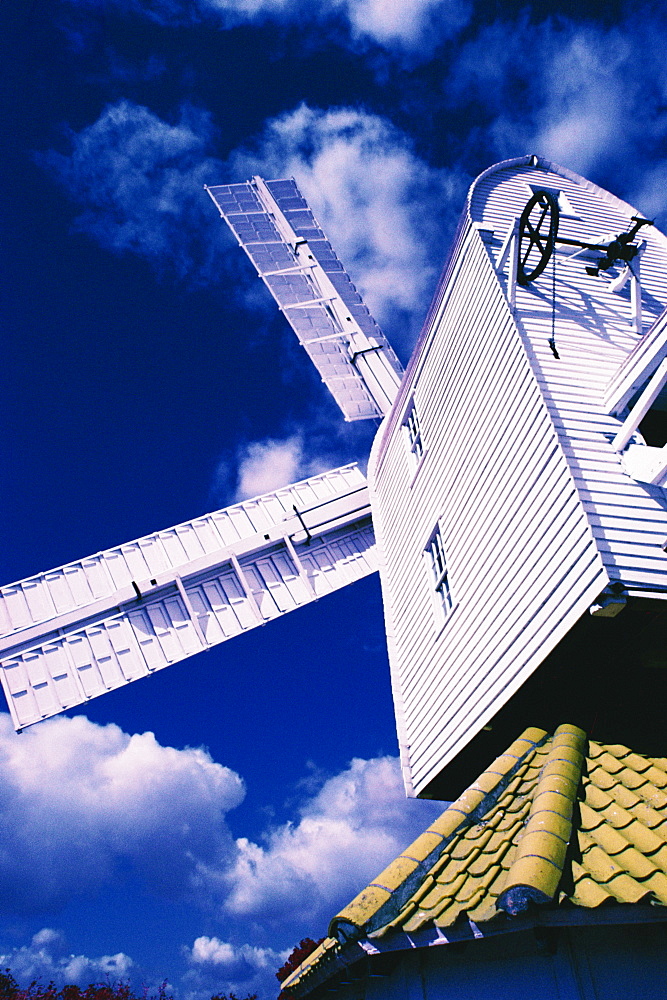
(519,510)
(511,488)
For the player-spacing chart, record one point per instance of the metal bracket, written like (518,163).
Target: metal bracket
(611,601)
(365,350)
(303,525)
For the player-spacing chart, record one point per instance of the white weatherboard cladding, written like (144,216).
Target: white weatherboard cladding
(522,556)
(94,625)
(594,338)
(536,512)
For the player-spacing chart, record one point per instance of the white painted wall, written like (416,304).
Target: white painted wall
(594,335)
(536,512)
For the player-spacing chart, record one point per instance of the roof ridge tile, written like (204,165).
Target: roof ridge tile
(538,865)
(382,900)
(553,820)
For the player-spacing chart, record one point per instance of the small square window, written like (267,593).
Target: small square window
(414,435)
(439,576)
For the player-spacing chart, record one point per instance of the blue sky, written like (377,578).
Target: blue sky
(197,824)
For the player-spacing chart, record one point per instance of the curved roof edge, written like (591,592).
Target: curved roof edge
(465,220)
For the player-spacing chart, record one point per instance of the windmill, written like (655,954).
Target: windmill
(514,506)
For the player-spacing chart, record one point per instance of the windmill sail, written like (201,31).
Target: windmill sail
(276,228)
(79,631)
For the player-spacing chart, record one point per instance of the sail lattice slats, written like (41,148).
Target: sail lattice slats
(276,228)
(78,631)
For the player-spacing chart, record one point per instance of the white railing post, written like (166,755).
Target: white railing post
(641,407)
(510,248)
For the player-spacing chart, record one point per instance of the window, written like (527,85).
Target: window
(438,564)
(414,435)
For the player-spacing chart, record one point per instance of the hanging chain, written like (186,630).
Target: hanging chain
(552,339)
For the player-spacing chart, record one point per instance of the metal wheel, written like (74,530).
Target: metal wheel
(538,228)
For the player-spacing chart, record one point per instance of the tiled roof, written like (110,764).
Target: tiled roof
(555,821)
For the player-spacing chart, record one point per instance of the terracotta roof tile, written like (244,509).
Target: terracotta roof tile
(481,865)
(423,890)
(653,796)
(601,778)
(659,858)
(439,892)
(620,794)
(555,821)
(588,893)
(657,883)
(647,841)
(609,763)
(647,816)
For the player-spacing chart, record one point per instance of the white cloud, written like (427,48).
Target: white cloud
(79,801)
(408,24)
(324,442)
(140,182)
(586,96)
(46,958)
(212,952)
(358,822)
(388,216)
(415,25)
(267,465)
(650,194)
(216,965)
(584,115)
(384,209)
